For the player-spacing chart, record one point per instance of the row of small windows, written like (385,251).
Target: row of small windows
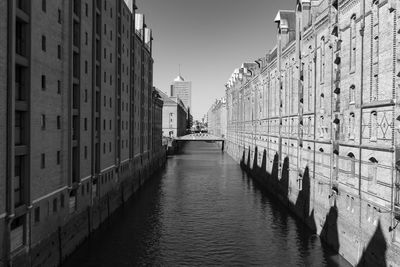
(43,159)
(56,206)
(37,213)
(124,143)
(44,47)
(43,122)
(44,84)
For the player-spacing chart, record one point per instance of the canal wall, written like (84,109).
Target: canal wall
(65,235)
(326,216)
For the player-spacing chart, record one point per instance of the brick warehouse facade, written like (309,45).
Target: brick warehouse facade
(80,122)
(317,121)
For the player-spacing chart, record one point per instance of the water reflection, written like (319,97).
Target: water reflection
(203,210)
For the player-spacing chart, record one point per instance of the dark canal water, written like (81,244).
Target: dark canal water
(202,210)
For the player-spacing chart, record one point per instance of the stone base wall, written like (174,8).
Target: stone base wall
(64,237)
(344,231)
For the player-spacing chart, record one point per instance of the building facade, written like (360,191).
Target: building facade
(183,90)
(77,114)
(174,116)
(217,118)
(317,121)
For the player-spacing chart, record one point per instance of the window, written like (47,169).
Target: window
(58,87)
(44,6)
(85,152)
(18,180)
(85,124)
(374,126)
(43,121)
(104,125)
(58,157)
(353,35)
(43,161)
(85,98)
(86,38)
(105,53)
(86,9)
(368,212)
(86,67)
(43,82)
(321,132)
(351,167)
(37,214)
(372,173)
(55,205)
(62,200)
(109,146)
(58,122)
(352,94)
(104,148)
(351,126)
(322,60)
(43,43)
(59,16)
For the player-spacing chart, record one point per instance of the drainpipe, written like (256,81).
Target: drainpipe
(360,123)
(315,100)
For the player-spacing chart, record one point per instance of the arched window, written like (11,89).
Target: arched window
(351,167)
(322,60)
(352,94)
(351,125)
(321,101)
(353,35)
(374,126)
(372,173)
(321,128)
(335,164)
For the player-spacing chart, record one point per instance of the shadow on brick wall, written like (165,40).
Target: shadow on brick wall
(302,205)
(284,182)
(329,231)
(375,252)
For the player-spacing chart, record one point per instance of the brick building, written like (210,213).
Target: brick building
(316,121)
(79,123)
(217,119)
(174,116)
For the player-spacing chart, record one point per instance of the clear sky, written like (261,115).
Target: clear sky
(209,38)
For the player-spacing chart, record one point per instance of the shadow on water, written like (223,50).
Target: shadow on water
(280,189)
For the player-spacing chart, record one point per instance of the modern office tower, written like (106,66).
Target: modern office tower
(76,121)
(183,90)
(316,120)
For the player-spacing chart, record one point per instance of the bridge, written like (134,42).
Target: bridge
(201,137)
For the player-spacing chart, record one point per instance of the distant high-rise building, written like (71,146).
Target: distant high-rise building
(183,90)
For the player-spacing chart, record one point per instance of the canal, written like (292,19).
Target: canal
(203,210)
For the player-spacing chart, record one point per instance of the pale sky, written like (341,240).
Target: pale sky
(209,38)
